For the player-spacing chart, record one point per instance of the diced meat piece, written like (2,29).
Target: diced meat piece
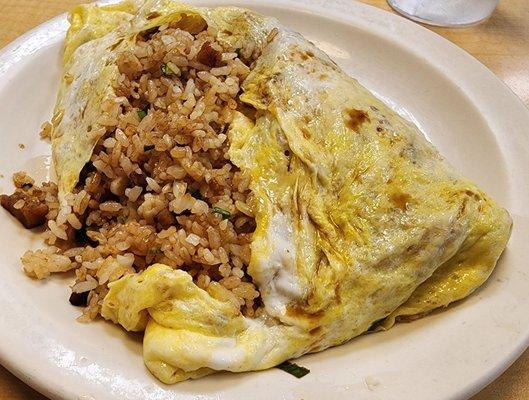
(129,64)
(138,179)
(31,213)
(207,55)
(165,218)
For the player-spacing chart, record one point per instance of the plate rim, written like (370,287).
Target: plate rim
(55,26)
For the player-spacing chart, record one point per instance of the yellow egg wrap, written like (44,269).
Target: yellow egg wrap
(359,218)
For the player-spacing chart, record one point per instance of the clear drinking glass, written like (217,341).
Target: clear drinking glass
(453,13)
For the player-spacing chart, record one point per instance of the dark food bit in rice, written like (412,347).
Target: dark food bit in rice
(79,299)
(138,179)
(147,34)
(87,169)
(216,127)
(81,237)
(108,196)
(197,195)
(155,250)
(29,210)
(207,55)
(165,218)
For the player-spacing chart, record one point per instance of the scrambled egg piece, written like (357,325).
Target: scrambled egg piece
(95,36)
(190,332)
(359,219)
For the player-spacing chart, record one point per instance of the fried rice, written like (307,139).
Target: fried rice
(160,186)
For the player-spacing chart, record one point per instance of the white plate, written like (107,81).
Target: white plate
(470,115)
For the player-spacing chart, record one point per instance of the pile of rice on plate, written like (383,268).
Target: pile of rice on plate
(160,186)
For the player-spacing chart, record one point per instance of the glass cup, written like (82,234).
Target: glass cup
(452,13)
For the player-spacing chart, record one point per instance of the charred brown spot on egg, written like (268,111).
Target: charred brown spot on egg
(476,196)
(306,133)
(400,200)
(462,208)
(355,118)
(296,311)
(153,14)
(315,331)
(192,23)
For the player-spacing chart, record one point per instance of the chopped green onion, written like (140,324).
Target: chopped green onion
(168,69)
(225,214)
(293,369)
(142,114)
(121,219)
(238,51)
(155,250)
(148,147)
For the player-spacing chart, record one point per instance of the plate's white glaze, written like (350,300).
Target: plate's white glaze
(474,120)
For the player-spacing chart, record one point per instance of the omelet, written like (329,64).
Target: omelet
(360,221)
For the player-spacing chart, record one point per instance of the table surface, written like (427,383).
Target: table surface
(501,43)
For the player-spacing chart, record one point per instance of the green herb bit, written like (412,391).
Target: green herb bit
(121,219)
(168,69)
(155,250)
(225,214)
(238,52)
(142,114)
(148,147)
(293,369)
